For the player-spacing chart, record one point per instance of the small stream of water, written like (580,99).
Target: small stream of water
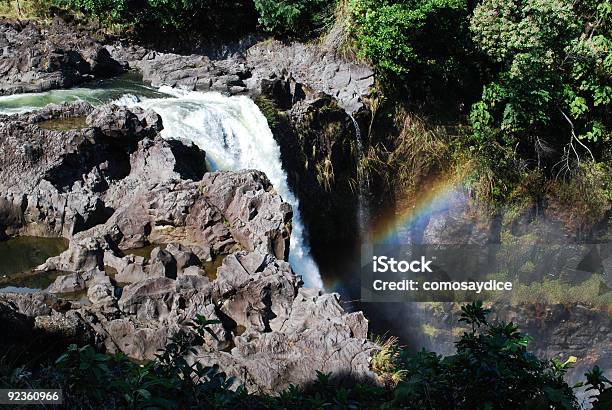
(363,188)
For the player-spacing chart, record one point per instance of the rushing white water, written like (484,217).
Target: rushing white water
(235,135)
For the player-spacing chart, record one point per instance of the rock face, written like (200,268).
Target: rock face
(273,333)
(191,72)
(54,183)
(36,59)
(114,184)
(316,67)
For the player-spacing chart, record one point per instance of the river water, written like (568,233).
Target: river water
(232,130)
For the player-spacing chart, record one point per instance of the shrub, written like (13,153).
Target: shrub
(492,369)
(212,17)
(112,11)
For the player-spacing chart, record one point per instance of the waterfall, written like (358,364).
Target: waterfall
(363,188)
(235,135)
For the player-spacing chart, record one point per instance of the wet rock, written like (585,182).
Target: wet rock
(121,122)
(101,63)
(187,72)
(317,140)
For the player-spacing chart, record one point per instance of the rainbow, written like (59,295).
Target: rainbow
(436,194)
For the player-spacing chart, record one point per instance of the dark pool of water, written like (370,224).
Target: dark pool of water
(64,124)
(20,256)
(25,253)
(144,252)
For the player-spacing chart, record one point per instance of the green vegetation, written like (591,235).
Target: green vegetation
(186,17)
(268,109)
(516,91)
(492,369)
(413,42)
(556,291)
(111,11)
(553,78)
(19,9)
(220,18)
(301,18)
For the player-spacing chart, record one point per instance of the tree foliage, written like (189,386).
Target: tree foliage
(398,36)
(492,369)
(420,47)
(552,84)
(529,81)
(302,18)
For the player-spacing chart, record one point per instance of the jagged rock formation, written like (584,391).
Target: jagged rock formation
(114,184)
(319,151)
(36,59)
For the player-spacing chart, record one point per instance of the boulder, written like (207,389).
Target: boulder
(138,343)
(123,123)
(258,218)
(183,256)
(71,283)
(163,264)
(150,300)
